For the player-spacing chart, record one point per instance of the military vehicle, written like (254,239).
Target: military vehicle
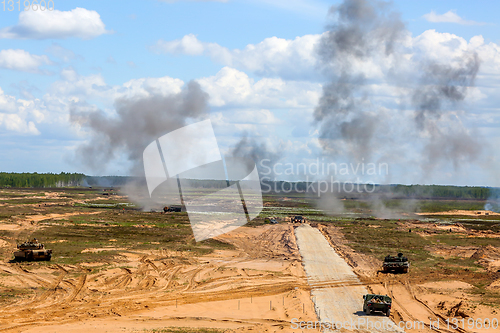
(32,250)
(298,219)
(271,220)
(380,303)
(397,264)
(167,209)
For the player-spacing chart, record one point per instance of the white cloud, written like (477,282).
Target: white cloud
(18,115)
(79,22)
(290,59)
(449,17)
(21,60)
(145,87)
(233,88)
(188,44)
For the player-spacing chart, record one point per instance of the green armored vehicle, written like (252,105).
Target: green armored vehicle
(32,250)
(380,303)
(398,264)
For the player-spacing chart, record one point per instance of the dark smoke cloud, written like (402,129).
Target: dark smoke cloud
(362,29)
(351,125)
(254,152)
(369,32)
(138,122)
(443,83)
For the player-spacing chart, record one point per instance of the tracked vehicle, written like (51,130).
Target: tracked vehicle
(398,264)
(32,250)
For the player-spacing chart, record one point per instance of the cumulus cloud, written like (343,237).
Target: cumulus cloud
(292,59)
(18,116)
(21,60)
(79,23)
(233,88)
(449,17)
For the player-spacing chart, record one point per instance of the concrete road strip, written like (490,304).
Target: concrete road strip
(337,292)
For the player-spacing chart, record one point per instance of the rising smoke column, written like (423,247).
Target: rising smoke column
(137,123)
(445,84)
(362,30)
(367,37)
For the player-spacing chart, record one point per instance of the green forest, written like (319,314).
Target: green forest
(41,179)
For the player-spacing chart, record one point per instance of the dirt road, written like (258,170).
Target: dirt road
(336,290)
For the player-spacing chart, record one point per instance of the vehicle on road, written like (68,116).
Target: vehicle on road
(380,303)
(32,250)
(298,219)
(398,264)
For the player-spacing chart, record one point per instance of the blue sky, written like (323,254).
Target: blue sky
(258,64)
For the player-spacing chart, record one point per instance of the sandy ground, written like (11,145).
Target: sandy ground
(477,213)
(259,287)
(337,291)
(418,305)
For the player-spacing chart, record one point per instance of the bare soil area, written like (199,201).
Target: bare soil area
(259,286)
(118,269)
(425,298)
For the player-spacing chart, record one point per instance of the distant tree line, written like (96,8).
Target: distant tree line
(440,191)
(403,191)
(41,179)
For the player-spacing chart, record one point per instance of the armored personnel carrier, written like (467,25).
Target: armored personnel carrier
(298,219)
(32,250)
(380,303)
(398,264)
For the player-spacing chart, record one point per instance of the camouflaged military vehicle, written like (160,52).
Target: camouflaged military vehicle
(380,303)
(32,250)
(398,264)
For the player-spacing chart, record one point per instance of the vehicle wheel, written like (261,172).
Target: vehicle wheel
(368,311)
(388,313)
(405,270)
(49,257)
